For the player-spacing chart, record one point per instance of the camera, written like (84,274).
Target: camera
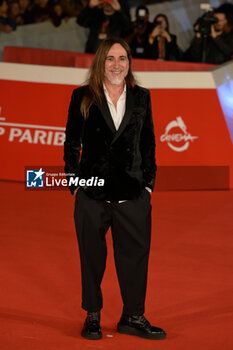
(140,18)
(157,23)
(205,21)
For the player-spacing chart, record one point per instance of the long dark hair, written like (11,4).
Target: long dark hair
(95,92)
(165,18)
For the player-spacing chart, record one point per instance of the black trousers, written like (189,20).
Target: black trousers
(130,224)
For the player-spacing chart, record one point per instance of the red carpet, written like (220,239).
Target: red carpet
(190,286)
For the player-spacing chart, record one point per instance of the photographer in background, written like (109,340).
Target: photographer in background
(162,44)
(138,38)
(213,41)
(106,19)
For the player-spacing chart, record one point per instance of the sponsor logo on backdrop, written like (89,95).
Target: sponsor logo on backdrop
(31,133)
(178,141)
(53,178)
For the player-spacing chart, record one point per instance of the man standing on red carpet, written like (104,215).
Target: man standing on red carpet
(110,120)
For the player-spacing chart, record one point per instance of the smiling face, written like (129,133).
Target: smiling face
(116,65)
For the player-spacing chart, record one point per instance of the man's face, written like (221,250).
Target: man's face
(116,65)
(108,9)
(222,22)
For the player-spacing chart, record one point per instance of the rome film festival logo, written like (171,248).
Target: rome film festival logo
(183,138)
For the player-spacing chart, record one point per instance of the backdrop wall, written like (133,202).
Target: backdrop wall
(192,116)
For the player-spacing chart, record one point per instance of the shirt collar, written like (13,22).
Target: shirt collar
(106,91)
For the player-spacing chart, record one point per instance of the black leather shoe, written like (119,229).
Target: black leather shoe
(140,326)
(91,327)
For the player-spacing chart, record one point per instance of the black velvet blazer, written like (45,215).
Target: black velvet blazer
(124,158)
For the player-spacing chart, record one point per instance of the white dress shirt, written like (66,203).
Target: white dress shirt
(117,112)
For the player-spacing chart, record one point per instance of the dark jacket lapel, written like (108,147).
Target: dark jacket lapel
(107,115)
(127,115)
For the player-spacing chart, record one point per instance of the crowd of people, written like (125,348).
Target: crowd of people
(19,12)
(213,32)
(212,42)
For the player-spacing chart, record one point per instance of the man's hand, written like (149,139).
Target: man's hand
(94,3)
(197,32)
(115,5)
(213,32)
